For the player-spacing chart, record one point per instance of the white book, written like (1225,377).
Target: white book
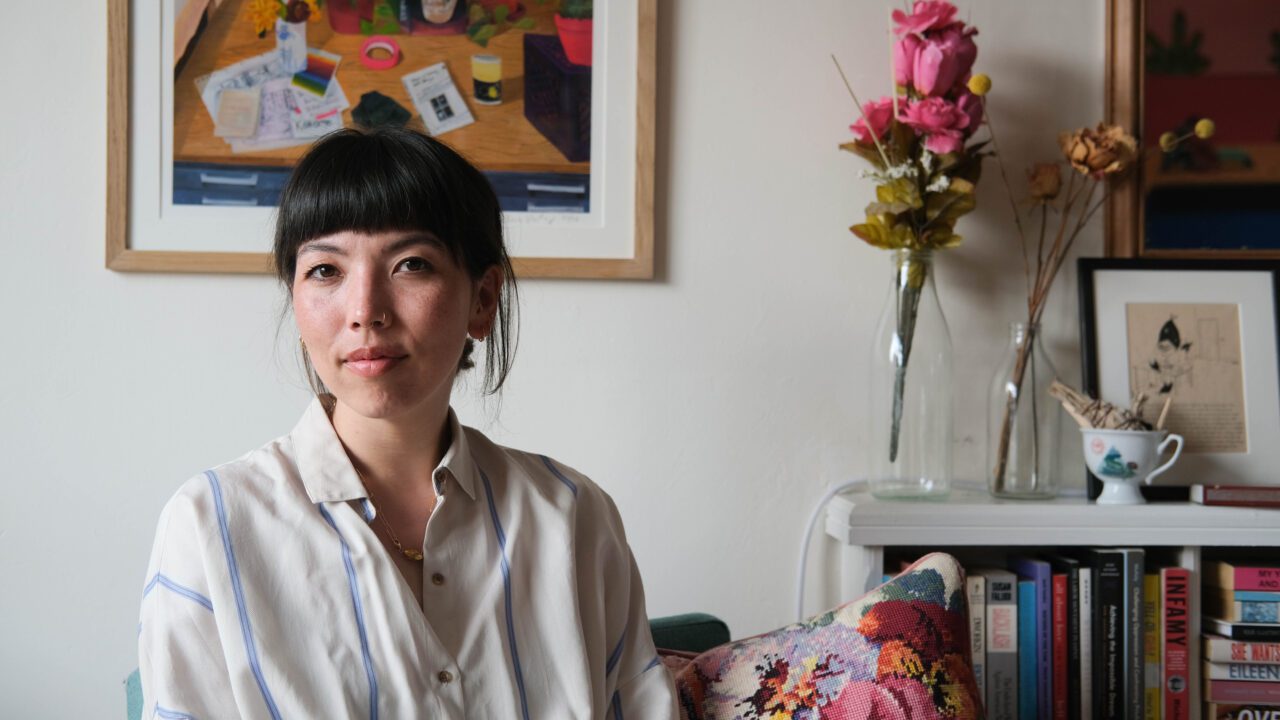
(977,589)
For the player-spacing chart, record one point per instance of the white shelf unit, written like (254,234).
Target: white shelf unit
(865,526)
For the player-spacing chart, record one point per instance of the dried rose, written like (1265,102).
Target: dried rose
(297,11)
(1104,150)
(1045,180)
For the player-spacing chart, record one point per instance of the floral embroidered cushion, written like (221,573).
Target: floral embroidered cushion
(899,652)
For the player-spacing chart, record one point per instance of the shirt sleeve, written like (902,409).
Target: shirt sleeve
(180,657)
(638,684)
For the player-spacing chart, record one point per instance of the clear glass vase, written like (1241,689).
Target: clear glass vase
(1023,420)
(910,397)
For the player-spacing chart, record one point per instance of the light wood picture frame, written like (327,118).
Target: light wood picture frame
(147,231)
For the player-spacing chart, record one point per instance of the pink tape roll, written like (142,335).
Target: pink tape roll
(379,42)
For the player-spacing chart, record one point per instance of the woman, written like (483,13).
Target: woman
(382,560)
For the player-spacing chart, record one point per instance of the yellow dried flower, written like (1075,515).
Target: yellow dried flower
(1204,129)
(1104,150)
(1045,181)
(980,84)
(1168,141)
(264,13)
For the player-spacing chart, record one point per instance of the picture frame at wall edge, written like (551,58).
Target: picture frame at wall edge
(1150,281)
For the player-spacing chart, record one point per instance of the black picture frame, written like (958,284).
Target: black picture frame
(1089,268)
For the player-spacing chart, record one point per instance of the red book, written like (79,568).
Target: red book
(1233,577)
(1175,651)
(1237,495)
(1243,692)
(1060,648)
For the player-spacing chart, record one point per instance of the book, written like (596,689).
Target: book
(1236,495)
(1230,576)
(1118,686)
(1263,632)
(1151,646)
(1039,572)
(1218,711)
(1086,643)
(1002,644)
(1108,635)
(1175,643)
(1251,672)
(1220,649)
(1073,570)
(976,586)
(1222,603)
(1028,703)
(1242,692)
(1058,610)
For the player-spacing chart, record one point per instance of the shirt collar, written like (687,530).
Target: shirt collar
(327,473)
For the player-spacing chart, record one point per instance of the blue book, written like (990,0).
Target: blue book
(1040,572)
(1027,700)
(1256,596)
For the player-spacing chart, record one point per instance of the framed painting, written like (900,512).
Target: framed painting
(1171,63)
(211,103)
(1201,335)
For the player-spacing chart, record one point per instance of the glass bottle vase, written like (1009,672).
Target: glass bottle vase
(1023,420)
(909,451)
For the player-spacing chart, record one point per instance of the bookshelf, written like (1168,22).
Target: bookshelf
(866,528)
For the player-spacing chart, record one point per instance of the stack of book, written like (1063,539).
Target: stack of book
(1241,641)
(1092,635)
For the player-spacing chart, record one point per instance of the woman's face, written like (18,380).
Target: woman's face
(385,316)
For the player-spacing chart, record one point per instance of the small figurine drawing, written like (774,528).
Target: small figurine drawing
(1113,465)
(1171,361)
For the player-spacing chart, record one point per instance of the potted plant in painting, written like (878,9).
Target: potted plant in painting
(574,23)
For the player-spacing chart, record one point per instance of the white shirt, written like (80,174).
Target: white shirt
(269,596)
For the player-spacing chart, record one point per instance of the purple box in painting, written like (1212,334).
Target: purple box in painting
(557,96)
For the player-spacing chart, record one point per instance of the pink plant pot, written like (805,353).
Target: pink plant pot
(575,36)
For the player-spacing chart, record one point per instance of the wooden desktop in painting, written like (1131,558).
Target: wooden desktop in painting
(529,170)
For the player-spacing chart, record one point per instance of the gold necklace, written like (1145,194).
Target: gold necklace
(412,554)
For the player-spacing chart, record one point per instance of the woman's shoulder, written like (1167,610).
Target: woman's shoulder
(267,473)
(541,472)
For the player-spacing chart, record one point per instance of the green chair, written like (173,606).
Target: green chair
(691,632)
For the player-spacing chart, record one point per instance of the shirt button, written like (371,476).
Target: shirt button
(437,579)
(445,676)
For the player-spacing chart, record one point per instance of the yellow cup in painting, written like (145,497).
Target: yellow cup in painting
(486,73)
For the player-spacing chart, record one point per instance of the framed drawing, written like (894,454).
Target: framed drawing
(1201,335)
(211,102)
(1169,64)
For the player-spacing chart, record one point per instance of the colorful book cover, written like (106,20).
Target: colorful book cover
(1039,572)
(1028,703)
(1175,642)
(1230,576)
(1220,649)
(1249,611)
(1244,692)
(1252,632)
(1217,711)
(1086,643)
(1060,635)
(1151,645)
(1252,672)
(976,586)
(1002,644)
(1074,571)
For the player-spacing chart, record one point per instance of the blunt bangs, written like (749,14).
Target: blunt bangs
(387,180)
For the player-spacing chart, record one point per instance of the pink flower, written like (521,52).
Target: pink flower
(925,15)
(891,699)
(879,113)
(935,68)
(971,105)
(904,58)
(940,121)
(957,41)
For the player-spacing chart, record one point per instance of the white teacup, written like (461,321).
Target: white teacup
(1122,459)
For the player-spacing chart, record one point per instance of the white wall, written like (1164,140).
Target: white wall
(714,403)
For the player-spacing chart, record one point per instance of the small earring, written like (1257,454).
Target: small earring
(303,343)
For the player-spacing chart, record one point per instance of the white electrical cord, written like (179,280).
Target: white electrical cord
(860,483)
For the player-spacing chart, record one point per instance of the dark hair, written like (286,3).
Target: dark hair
(390,179)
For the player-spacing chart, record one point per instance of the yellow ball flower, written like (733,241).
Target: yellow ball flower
(1168,141)
(1204,129)
(980,84)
